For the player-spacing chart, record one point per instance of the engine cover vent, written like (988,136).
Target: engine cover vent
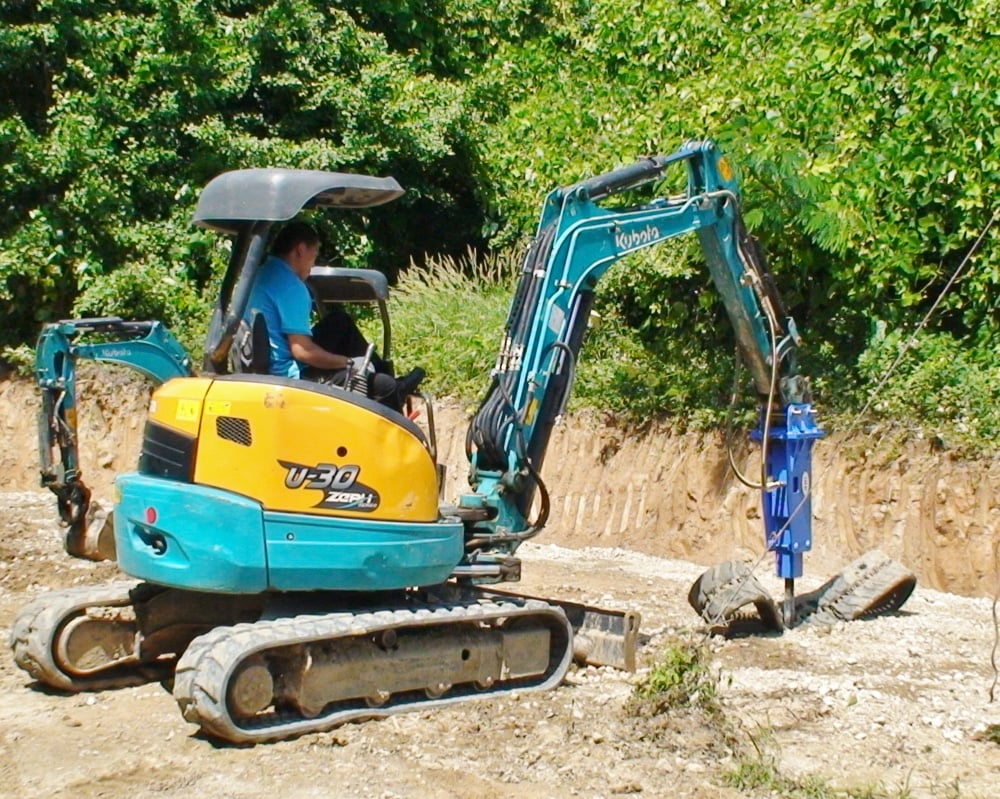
(234,429)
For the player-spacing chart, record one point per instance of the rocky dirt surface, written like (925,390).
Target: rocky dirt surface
(898,706)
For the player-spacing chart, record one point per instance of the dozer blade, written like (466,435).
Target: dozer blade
(601,637)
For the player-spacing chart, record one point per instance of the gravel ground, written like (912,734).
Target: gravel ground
(896,707)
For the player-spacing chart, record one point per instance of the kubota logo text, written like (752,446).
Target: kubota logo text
(339,484)
(630,239)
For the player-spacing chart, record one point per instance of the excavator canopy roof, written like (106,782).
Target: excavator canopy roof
(235,199)
(332,284)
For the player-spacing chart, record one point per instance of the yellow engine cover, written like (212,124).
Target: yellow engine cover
(302,448)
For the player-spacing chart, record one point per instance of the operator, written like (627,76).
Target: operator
(281,296)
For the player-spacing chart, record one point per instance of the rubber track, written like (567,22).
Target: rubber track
(870,586)
(203,672)
(33,632)
(721,591)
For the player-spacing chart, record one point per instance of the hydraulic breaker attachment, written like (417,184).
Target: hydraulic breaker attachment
(787,440)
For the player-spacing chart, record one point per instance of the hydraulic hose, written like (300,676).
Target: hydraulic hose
(496,414)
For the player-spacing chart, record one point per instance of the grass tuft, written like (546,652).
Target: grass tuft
(448,317)
(682,677)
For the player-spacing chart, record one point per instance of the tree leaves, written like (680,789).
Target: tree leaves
(133,100)
(866,135)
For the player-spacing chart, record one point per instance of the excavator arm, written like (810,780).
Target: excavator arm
(578,240)
(147,347)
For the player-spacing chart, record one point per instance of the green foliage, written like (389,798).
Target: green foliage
(866,135)
(674,377)
(135,292)
(17,360)
(134,106)
(682,676)
(450,39)
(642,360)
(991,734)
(939,381)
(865,132)
(760,772)
(449,316)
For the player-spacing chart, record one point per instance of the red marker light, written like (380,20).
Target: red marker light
(151,515)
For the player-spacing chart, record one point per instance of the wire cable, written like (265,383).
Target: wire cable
(923,323)
(733,400)
(996,626)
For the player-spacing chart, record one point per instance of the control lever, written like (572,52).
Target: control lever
(357,379)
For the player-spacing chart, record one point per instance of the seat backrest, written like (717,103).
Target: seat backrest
(251,352)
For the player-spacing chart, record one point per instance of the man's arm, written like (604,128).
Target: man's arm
(307,351)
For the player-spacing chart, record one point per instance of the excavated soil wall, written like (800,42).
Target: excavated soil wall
(657,493)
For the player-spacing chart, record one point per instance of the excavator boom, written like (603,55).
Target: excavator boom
(578,240)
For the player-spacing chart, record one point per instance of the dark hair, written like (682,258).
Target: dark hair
(292,234)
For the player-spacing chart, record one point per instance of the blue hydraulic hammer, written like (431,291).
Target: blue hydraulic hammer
(786,496)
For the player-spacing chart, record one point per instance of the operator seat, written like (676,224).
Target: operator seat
(251,352)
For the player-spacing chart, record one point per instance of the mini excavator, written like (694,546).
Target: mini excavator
(291,565)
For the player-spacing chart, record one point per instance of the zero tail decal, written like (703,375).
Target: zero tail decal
(339,485)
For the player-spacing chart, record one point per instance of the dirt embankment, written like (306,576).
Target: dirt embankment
(660,494)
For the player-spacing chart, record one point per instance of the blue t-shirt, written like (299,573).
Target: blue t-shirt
(286,305)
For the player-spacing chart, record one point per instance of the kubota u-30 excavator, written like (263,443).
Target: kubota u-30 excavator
(292,563)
